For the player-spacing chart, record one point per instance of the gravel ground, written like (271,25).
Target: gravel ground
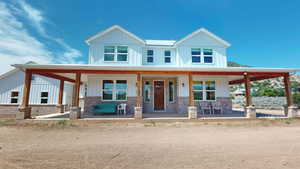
(150,147)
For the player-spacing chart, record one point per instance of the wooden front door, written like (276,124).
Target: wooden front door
(159,95)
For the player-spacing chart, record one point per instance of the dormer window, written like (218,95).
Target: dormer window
(202,55)
(167,56)
(208,55)
(150,54)
(115,53)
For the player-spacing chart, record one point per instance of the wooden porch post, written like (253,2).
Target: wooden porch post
(25,110)
(61,92)
(77,90)
(287,85)
(247,90)
(191,93)
(138,91)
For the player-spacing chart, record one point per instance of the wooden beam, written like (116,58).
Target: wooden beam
(138,90)
(191,93)
(247,90)
(61,92)
(287,85)
(255,78)
(77,90)
(54,76)
(26,89)
(150,72)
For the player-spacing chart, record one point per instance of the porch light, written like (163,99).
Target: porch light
(182,84)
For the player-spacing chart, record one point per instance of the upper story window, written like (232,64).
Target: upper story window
(115,53)
(196,55)
(14,97)
(202,55)
(150,54)
(167,56)
(208,55)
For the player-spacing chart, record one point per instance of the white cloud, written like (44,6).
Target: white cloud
(18,46)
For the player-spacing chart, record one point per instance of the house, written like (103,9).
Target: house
(155,76)
(44,94)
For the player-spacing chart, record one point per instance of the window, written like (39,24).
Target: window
(171,91)
(208,55)
(210,88)
(205,90)
(198,90)
(14,97)
(107,87)
(196,55)
(147,90)
(114,90)
(121,87)
(150,54)
(115,53)
(167,56)
(44,97)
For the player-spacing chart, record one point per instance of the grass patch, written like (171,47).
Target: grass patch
(7,122)
(62,123)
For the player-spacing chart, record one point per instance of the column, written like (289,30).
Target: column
(192,109)
(60,105)
(138,110)
(75,111)
(249,109)
(291,109)
(24,109)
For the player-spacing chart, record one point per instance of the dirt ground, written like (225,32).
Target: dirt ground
(176,145)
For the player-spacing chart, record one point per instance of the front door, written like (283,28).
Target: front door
(159,95)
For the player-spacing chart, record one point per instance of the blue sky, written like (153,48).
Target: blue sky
(262,33)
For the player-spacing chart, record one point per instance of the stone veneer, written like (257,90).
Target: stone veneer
(9,111)
(183,103)
(89,102)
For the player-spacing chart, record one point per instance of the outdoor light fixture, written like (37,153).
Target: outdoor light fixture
(182,84)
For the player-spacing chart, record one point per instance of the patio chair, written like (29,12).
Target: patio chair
(216,106)
(122,109)
(204,106)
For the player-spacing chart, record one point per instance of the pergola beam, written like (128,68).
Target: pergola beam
(287,85)
(54,76)
(255,78)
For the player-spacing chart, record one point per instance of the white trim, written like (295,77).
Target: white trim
(114,90)
(115,27)
(154,96)
(153,68)
(203,30)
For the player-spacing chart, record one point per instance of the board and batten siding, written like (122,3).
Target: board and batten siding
(222,85)
(39,84)
(159,56)
(115,38)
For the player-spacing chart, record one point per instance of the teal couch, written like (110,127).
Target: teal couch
(104,108)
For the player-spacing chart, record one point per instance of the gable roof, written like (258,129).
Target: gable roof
(115,27)
(203,30)
(13,71)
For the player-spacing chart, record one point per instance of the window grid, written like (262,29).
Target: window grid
(202,55)
(115,53)
(150,58)
(204,91)
(44,97)
(14,97)
(171,91)
(167,56)
(114,91)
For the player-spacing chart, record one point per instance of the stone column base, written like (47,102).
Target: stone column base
(250,112)
(192,111)
(138,113)
(75,113)
(23,113)
(61,108)
(292,112)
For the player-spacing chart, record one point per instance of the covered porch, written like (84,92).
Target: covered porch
(186,103)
